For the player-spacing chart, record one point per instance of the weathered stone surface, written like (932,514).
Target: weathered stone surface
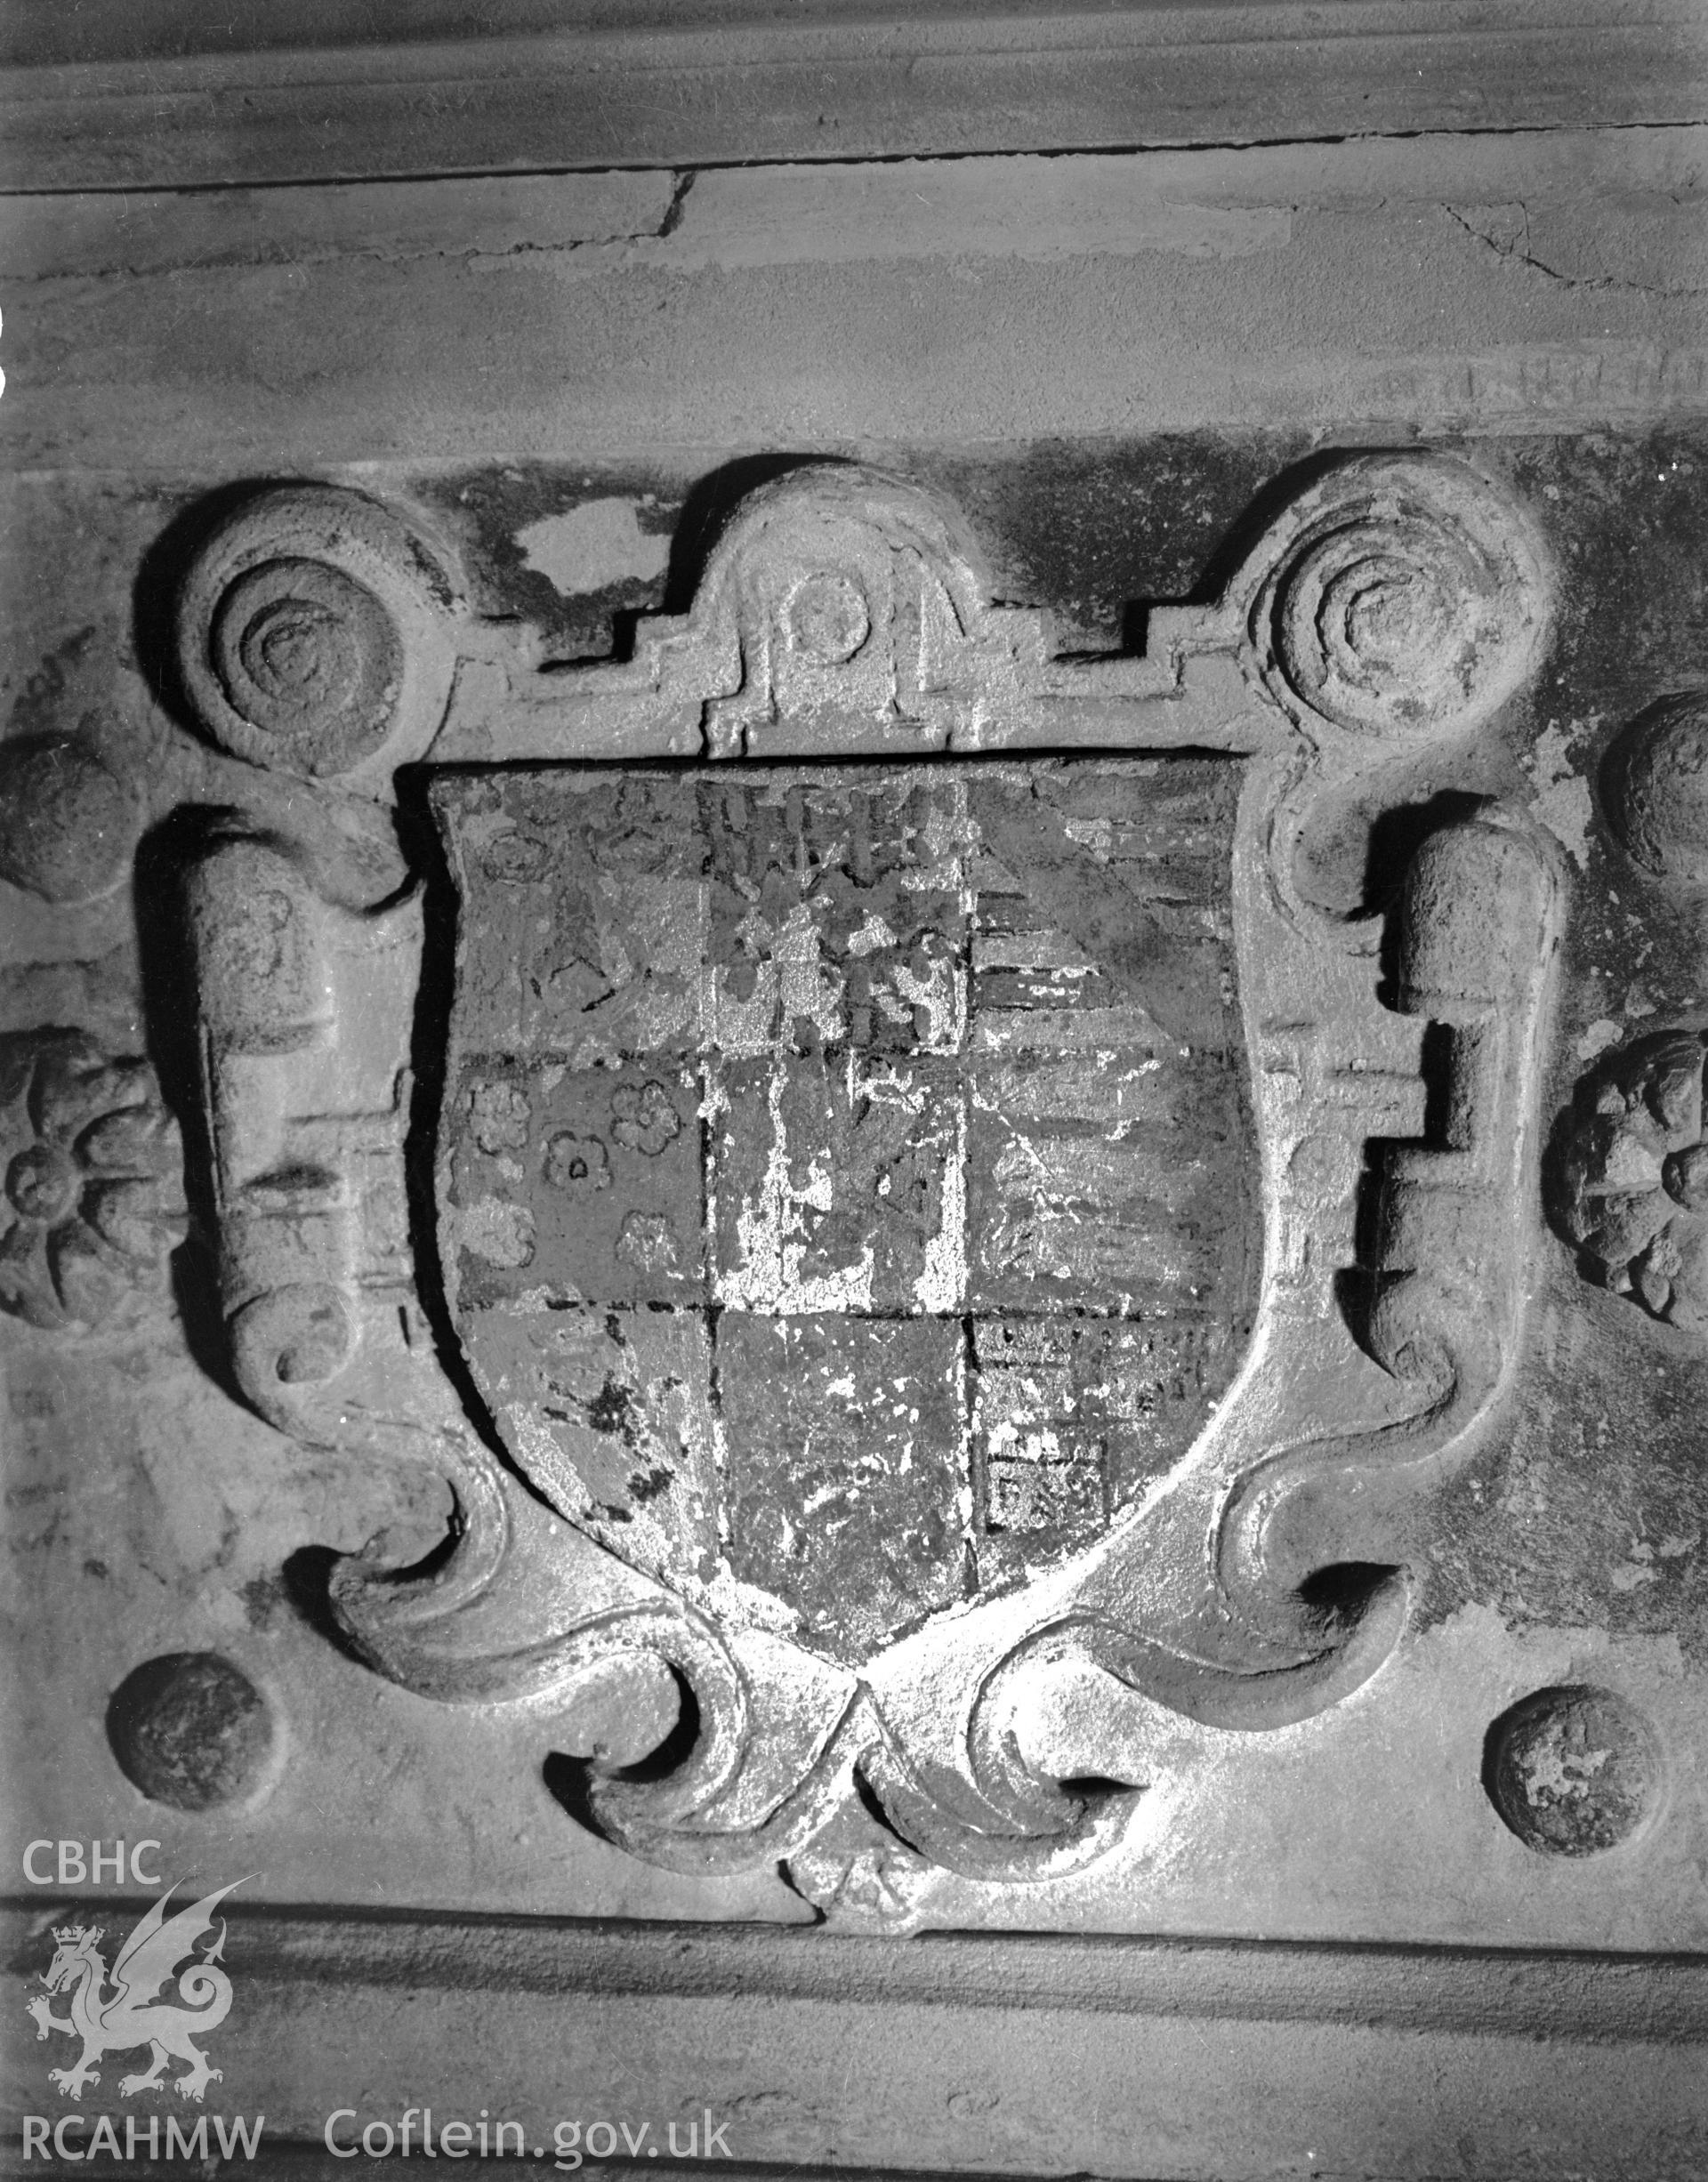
(68,822)
(1353,294)
(190,1730)
(1632,1176)
(847,1469)
(808,2047)
(901,1046)
(1075,1415)
(1655,783)
(1573,1771)
(398,88)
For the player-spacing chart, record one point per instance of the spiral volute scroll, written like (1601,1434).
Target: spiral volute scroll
(315,637)
(1407,598)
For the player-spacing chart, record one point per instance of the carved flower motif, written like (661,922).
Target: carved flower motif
(501,1115)
(1635,1176)
(577,1163)
(94,1190)
(646,1120)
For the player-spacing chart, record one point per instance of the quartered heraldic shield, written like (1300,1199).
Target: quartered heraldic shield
(883,1181)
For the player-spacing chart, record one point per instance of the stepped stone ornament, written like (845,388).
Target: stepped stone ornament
(883,1218)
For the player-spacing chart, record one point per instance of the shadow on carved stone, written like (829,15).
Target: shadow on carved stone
(625,1731)
(1246,538)
(429,1050)
(1354,857)
(160,578)
(712,503)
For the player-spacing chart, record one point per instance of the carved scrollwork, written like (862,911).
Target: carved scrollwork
(306,1024)
(306,1009)
(1407,597)
(1478,930)
(314,637)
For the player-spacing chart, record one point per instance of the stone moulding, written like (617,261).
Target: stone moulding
(539,88)
(842,672)
(1567,2058)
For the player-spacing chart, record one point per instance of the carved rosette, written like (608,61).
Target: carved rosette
(1633,1177)
(94,1185)
(793,1128)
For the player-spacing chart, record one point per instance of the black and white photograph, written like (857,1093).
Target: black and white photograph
(853,1149)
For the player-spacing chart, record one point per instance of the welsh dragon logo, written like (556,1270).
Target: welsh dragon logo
(130,2014)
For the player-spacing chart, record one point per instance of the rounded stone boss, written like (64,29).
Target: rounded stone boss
(1573,1770)
(1655,785)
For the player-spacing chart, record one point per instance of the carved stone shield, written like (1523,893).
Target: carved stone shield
(848,1172)
(929,1199)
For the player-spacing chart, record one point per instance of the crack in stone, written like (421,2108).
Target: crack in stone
(682,183)
(473,255)
(1518,251)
